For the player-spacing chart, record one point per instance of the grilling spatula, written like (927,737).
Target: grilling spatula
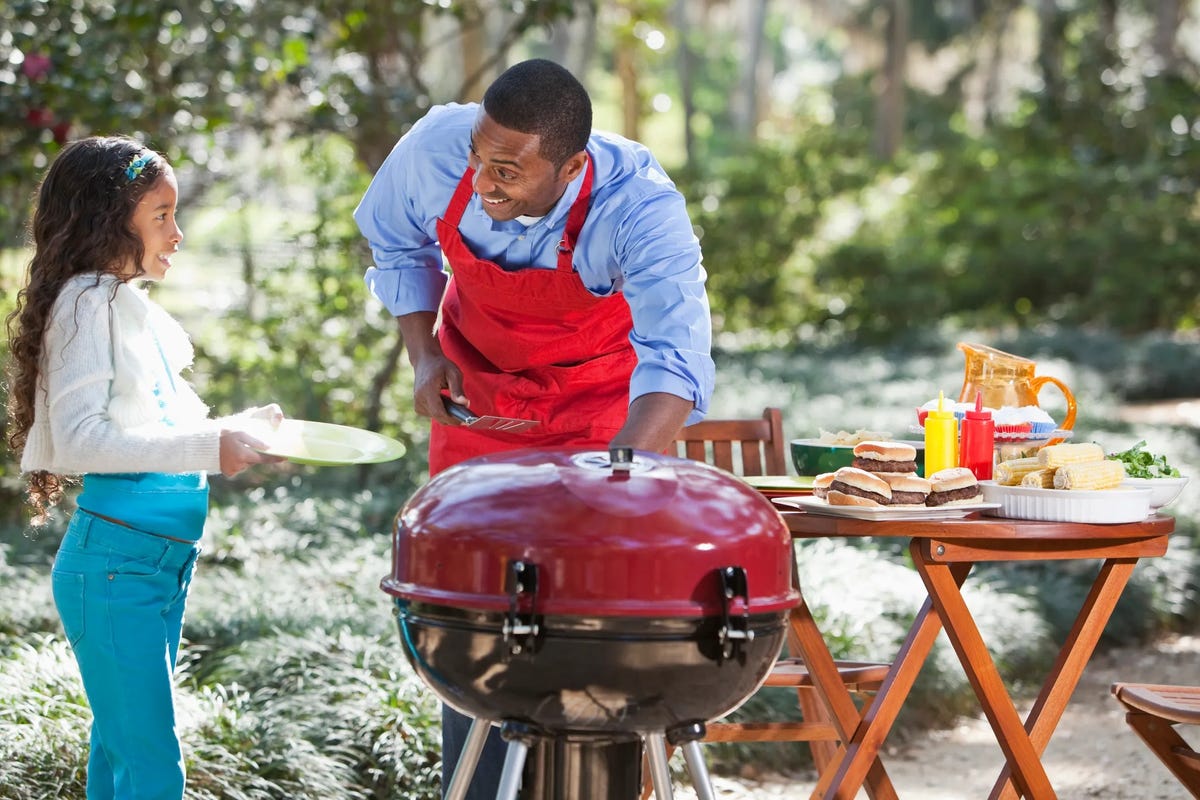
(505,424)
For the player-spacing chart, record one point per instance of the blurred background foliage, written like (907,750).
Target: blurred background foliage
(871,181)
(845,162)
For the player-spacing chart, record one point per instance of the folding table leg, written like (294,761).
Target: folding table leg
(1069,666)
(864,745)
(982,674)
(839,708)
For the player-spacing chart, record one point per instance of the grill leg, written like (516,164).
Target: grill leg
(687,737)
(465,769)
(660,774)
(514,763)
(698,771)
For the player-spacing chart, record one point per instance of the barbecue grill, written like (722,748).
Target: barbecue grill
(587,602)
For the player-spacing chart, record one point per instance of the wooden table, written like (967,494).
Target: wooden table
(943,552)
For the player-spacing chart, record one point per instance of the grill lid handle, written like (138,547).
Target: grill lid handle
(621,459)
(734,630)
(521,630)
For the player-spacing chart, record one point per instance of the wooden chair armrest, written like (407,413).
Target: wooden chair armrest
(1180,704)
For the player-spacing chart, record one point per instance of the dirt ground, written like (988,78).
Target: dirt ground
(1093,753)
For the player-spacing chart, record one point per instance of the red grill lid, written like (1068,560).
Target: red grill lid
(649,540)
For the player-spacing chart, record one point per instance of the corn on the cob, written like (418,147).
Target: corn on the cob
(1039,479)
(1056,455)
(1010,472)
(1103,474)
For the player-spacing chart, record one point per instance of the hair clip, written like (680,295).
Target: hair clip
(137,165)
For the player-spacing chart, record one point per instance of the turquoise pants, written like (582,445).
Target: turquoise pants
(121,594)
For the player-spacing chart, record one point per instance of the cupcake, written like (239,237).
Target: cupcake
(1011,424)
(960,410)
(1040,423)
(923,411)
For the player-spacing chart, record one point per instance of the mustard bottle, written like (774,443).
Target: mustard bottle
(941,438)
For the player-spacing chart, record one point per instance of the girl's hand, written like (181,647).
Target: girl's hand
(271,412)
(240,450)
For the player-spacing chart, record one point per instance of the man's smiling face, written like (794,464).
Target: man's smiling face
(511,177)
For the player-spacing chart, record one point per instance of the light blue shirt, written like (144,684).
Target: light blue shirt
(637,240)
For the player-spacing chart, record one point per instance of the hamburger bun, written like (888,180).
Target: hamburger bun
(950,478)
(821,484)
(907,489)
(836,498)
(885,457)
(953,486)
(860,483)
(904,482)
(885,451)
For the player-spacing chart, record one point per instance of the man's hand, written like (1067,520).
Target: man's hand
(432,371)
(431,375)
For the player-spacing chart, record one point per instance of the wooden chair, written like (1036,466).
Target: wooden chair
(1153,711)
(757,444)
(757,447)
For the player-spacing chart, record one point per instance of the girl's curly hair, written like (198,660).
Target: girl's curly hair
(82,223)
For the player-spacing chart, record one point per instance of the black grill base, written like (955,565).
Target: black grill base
(616,676)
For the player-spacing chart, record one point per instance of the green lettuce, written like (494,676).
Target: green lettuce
(1141,463)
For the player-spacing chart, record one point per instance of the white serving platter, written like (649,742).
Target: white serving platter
(816,505)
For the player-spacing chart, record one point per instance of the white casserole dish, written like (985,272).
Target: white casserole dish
(1109,506)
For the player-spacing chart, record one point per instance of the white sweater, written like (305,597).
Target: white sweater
(96,410)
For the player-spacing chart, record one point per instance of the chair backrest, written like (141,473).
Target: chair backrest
(741,446)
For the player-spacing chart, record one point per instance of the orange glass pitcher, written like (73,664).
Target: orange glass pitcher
(1007,380)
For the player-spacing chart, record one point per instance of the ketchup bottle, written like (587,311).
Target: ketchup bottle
(941,438)
(977,449)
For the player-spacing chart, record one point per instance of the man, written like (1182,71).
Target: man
(576,295)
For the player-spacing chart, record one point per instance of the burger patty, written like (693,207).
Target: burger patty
(846,488)
(965,493)
(875,465)
(907,498)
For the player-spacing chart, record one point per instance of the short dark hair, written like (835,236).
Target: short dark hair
(540,97)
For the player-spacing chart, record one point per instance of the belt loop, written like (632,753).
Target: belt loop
(85,527)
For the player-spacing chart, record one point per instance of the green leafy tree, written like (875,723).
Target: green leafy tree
(176,74)
(1081,212)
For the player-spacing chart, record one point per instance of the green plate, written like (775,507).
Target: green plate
(324,444)
(780,482)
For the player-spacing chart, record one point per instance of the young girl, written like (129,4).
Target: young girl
(95,390)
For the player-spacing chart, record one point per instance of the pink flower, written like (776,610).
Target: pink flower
(40,117)
(36,66)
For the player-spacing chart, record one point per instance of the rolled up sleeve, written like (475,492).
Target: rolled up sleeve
(663,282)
(407,274)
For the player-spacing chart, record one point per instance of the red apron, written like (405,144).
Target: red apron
(532,344)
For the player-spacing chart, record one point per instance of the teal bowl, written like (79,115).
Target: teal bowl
(812,457)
